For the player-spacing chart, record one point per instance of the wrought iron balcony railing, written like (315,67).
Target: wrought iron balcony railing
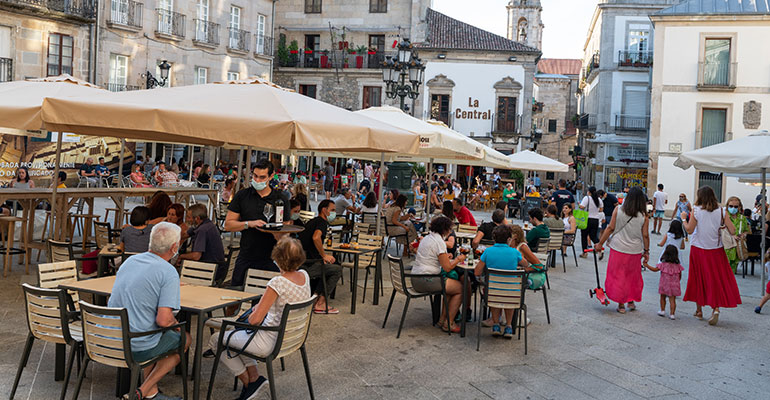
(170,23)
(206,32)
(632,122)
(239,39)
(263,45)
(85,9)
(635,59)
(126,13)
(6,69)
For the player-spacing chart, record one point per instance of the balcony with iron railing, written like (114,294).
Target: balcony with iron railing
(171,25)
(342,59)
(206,33)
(120,87)
(717,76)
(239,40)
(587,122)
(6,69)
(636,59)
(593,65)
(631,122)
(126,14)
(263,45)
(83,10)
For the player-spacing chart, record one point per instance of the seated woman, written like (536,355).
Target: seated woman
(570,224)
(175,215)
(502,257)
(295,207)
(137,177)
(226,194)
(204,176)
(536,277)
(135,238)
(432,259)
(399,223)
(552,220)
(300,194)
(451,241)
(419,197)
(370,203)
(292,286)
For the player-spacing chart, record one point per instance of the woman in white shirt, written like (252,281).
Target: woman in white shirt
(370,203)
(595,207)
(710,281)
(432,259)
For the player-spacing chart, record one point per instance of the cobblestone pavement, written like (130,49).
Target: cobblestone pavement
(588,351)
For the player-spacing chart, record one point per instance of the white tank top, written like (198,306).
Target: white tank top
(706,235)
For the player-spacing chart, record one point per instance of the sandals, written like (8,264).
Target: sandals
(324,311)
(621,309)
(698,315)
(631,306)
(714,318)
(454,327)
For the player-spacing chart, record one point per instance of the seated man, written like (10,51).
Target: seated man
(343,202)
(462,213)
(539,231)
(101,169)
(486,228)
(503,205)
(87,171)
(319,263)
(206,242)
(147,286)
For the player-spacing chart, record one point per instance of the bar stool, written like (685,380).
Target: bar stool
(85,222)
(126,215)
(10,238)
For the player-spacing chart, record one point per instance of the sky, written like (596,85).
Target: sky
(566,21)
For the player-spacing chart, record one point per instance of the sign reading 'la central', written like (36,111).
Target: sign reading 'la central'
(473,114)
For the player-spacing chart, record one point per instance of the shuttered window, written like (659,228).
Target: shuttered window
(635,103)
(714,123)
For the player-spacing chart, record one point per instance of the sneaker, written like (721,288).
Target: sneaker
(487,323)
(757,309)
(661,313)
(508,333)
(496,331)
(251,391)
(161,396)
(208,354)
(672,317)
(529,321)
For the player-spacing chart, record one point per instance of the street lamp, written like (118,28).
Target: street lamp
(164,67)
(403,74)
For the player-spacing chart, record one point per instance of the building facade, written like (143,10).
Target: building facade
(614,103)
(710,84)
(44,38)
(554,111)
(203,40)
(525,24)
(333,51)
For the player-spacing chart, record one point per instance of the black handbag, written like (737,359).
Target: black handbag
(243,319)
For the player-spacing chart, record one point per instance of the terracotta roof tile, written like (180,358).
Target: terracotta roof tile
(448,33)
(559,66)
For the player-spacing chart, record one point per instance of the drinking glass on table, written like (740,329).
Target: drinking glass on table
(268,212)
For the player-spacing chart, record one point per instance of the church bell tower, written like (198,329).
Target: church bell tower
(525,24)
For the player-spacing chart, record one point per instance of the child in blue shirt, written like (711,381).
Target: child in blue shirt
(503,257)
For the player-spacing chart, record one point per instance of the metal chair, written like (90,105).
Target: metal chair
(541,244)
(506,289)
(398,278)
(198,273)
(50,318)
(107,340)
(392,236)
(291,336)
(568,240)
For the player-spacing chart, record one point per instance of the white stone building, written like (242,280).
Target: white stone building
(710,84)
(203,40)
(614,93)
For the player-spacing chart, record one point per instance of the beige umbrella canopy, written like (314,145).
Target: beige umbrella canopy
(249,113)
(20,101)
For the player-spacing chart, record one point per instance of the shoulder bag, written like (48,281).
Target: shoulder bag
(728,240)
(741,250)
(581,218)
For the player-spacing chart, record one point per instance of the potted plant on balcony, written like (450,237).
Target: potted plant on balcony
(360,50)
(283,52)
(626,62)
(371,51)
(294,47)
(308,51)
(325,59)
(610,158)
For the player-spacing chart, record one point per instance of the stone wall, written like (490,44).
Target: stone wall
(347,93)
(556,96)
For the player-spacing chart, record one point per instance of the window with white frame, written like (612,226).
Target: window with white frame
(202,26)
(201,75)
(638,38)
(716,62)
(118,73)
(233,76)
(166,16)
(235,25)
(260,34)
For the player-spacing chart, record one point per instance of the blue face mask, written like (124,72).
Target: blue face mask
(294,216)
(332,216)
(258,185)
(732,210)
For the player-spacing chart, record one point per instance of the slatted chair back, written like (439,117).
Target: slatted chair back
(256,283)
(102,234)
(506,288)
(397,277)
(369,242)
(295,324)
(360,228)
(568,239)
(59,251)
(106,335)
(232,255)
(47,316)
(556,240)
(305,215)
(197,273)
(369,218)
(465,228)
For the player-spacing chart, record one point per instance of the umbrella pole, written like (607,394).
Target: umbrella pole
(429,194)
(120,164)
(54,216)
(764,228)
(240,170)
(379,201)
(310,162)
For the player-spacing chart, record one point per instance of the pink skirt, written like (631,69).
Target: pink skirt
(711,281)
(624,277)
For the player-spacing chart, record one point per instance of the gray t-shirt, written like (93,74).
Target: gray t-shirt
(329,172)
(136,240)
(144,283)
(341,204)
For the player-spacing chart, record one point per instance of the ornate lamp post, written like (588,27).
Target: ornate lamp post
(403,73)
(164,67)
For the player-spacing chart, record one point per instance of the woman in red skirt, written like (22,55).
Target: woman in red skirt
(711,281)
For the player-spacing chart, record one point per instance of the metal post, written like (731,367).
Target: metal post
(239,169)
(54,216)
(120,164)
(247,167)
(429,195)
(764,229)
(310,162)
(380,195)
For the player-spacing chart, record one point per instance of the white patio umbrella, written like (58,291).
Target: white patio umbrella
(531,161)
(746,155)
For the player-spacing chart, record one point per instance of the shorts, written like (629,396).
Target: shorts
(329,185)
(426,285)
(168,341)
(767,289)
(659,214)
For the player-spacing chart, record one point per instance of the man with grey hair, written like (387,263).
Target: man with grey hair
(206,242)
(88,171)
(147,286)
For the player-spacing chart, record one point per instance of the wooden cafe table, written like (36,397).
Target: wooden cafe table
(198,300)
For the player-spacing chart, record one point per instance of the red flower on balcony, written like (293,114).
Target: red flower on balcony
(308,51)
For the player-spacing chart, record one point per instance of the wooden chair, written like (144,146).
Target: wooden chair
(555,242)
(400,285)
(232,256)
(62,252)
(198,273)
(102,234)
(360,228)
(371,219)
(466,228)
(505,289)
(107,340)
(541,255)
(365,261)
(50,318)
(51,275)
(291,336)
(306,216)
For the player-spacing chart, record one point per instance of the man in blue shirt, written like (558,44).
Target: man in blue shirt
(147,286)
